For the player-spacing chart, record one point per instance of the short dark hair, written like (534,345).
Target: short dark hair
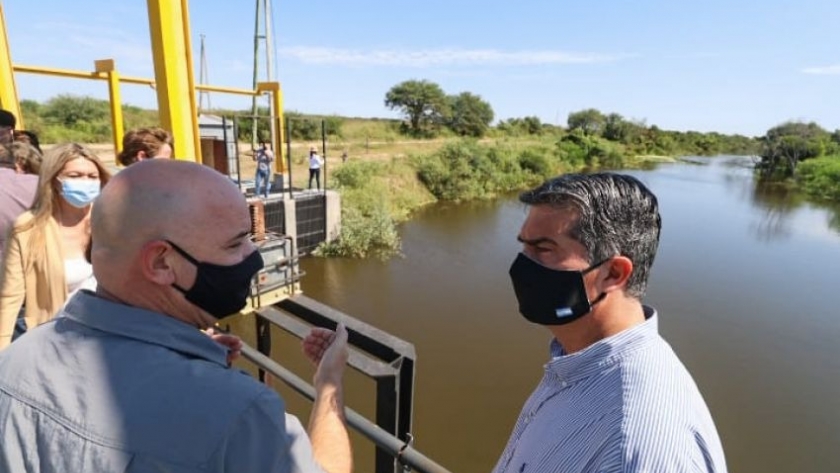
(7,118)
(30,137)
(618,215)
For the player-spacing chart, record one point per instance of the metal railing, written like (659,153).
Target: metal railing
(388,360)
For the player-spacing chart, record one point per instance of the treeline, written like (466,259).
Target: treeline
(85,119)
(82,119)
(803,154)
(429,112)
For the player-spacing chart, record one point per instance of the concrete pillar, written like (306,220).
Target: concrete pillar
(333,215)
(290,216)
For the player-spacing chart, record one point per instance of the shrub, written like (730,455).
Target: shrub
(820,177)
(536,163)
(356,174)
(363,235)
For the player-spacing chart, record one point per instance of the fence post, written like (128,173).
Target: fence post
(324,152)
(289,154)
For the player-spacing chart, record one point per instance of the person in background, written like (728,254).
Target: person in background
(17,192)
(124,381)
(29,137)
(614,397)
(315,163)
(262,180)
(27,157)
(8,121)
(44,255)
(145,143)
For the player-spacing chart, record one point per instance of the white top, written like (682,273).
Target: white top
(315,161)
(77,273)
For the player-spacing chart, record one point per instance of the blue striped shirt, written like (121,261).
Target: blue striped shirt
(623,404)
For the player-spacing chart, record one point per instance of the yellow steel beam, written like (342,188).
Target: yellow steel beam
(54,71)
(226,90)
(107,66)
(276,121)
(185,18)
(8,89)
(175,90)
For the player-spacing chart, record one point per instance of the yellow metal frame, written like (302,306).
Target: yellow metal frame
(269,298)
(276,114)
(8,90)
(174,82)
(175,90)
(107,67)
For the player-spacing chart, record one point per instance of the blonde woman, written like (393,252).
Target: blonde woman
(44,255)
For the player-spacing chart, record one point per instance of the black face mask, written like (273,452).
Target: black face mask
(550,296)
(220,290)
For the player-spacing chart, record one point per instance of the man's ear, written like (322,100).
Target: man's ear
(155,263)
(615,273)
(141,155)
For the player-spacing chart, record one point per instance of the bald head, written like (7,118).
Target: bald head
(158,198)
(158,201)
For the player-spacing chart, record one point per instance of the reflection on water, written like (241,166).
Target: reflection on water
(744,282)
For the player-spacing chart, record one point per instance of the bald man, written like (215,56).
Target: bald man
(125,381)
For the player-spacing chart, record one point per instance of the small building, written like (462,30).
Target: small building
(218,143)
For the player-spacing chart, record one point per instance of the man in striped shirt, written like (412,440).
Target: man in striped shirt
(614,396)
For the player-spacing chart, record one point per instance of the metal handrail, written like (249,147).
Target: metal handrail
(401,451)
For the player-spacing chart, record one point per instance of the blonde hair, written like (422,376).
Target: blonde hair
(147,140)
(26,156)
(47,197)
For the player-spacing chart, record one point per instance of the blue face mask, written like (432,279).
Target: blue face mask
(80,192)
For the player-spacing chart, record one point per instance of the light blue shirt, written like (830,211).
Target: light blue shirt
(624,404)
(109,388)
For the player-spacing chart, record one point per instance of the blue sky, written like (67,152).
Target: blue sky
(730,66)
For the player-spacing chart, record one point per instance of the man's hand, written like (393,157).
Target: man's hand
(231,342)
(327,427)
(328,351)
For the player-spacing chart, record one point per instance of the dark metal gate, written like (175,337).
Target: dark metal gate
(275,217)
(311,215)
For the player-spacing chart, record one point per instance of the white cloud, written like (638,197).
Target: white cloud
(440,57)
(824,70)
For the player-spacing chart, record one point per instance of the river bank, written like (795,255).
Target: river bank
(378,195)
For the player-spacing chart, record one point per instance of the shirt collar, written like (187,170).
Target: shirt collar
(143,325)
(603,353)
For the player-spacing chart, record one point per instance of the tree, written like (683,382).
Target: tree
(522,126)
(532,125)
(616,128)
(469,114)
(590,121)
(423,103)
(786,145)
(70,110)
